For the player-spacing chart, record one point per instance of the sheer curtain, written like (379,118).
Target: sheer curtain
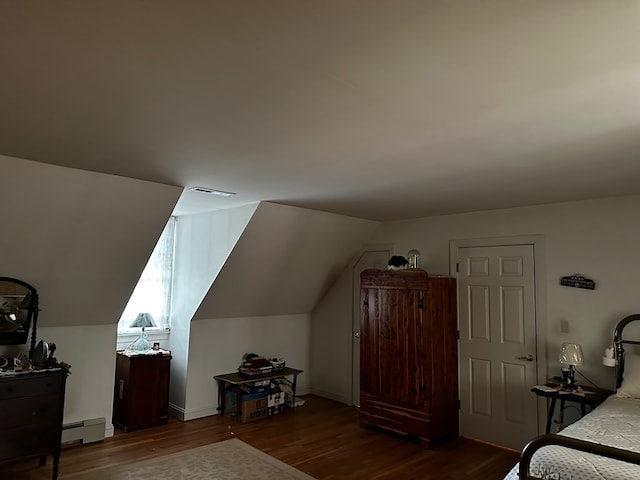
(152,294)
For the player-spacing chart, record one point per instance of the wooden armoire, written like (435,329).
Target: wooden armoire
(408,354)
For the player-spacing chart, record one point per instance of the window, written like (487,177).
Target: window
(151,299)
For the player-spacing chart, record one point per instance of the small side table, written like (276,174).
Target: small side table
(592,397)
(236,379)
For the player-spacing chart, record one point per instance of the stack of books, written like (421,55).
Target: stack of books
(255,366)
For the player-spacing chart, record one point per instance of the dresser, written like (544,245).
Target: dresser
(408,354)
(141,395)
(31,409)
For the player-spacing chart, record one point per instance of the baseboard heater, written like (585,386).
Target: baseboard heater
(85,431)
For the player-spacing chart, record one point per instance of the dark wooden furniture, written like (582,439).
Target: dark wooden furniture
(592,397)
(31,408)
(408,354)
(237,379)
(141,390)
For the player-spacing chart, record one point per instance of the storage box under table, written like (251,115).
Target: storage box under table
(266,392)
(259,386)
(252,406)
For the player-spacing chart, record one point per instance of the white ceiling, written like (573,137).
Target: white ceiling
(375,109)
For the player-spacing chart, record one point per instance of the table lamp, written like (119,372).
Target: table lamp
(571,355)
(142,320)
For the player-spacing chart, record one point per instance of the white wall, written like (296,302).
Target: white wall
(216,347)
(91,353)
(285,261)
(596,238)
(90,350)
(331,341)
(203,244)
(80,238)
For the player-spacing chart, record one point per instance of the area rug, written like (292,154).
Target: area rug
(226,460)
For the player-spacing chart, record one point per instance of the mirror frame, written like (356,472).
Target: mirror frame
(32,317)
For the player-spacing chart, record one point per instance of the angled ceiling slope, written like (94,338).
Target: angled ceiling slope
(284,262)
(81,238)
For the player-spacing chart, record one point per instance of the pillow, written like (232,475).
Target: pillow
(630,387)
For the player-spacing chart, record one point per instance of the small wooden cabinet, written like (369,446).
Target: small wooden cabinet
(31,408)
(141,390)
(408,354)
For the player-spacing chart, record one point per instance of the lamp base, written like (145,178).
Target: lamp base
(141,344)
(569,376)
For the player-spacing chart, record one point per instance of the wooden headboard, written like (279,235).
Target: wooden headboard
(618,342)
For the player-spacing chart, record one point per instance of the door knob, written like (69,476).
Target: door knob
(356,334)
(528,358)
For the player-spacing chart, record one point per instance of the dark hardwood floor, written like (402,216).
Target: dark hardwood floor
(321,438)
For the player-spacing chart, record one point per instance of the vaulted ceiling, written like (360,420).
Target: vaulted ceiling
(375,109)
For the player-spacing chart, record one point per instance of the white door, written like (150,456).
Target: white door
(369,259)
(496,287)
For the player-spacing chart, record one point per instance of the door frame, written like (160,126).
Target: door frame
(538,243)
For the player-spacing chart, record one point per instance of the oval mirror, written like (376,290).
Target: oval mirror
(18,309)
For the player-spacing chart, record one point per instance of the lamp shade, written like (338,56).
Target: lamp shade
(143,320)
(571,354)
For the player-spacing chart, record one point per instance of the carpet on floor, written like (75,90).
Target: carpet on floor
(226,460)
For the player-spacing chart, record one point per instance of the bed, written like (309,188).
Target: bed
(604,444)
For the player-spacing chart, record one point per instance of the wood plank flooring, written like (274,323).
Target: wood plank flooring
(321,438)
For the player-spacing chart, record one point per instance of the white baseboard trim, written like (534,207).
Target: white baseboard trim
(85,431)
(204,412)
(303,389)
(176,411)
(331,396)
(181,414)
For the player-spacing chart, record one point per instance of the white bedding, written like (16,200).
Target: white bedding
(615,423)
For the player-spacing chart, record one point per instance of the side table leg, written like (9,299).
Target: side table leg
(221,397)
(238,404)
(552,408)
(293,388)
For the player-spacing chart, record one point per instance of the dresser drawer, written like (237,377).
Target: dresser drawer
(28,385)
(29,441)
(24,411)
